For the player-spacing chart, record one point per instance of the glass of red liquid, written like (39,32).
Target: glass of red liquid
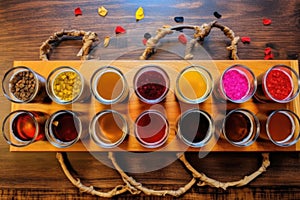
(283,127)
(108,128)
(63,128)
(241,127)
(151,84)
(151,129)
(279,84)
(21,128)
(195,128)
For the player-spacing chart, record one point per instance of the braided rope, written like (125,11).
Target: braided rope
(131,185)
(88,38)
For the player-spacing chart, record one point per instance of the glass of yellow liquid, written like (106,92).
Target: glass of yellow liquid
(194,85)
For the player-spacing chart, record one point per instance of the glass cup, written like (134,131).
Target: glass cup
(283,127)
(236,84)
(279,84)
(66,85)
(23,85)
(109,86)
(241,127)
(63,128)
(194,84)
(151,129)
(108,128)
(21,128)
(195,128)
(151,84)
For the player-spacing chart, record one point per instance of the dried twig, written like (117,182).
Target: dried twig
(204,180)
(130,181)
(200,32)
(90,190)
(152,42)
(87,39)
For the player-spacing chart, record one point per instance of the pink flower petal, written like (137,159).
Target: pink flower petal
(182,38)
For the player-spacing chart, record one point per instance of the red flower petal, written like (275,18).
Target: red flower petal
(182,38)
(77,11)
(145,41)
(269,56)
(245,39)
(268,51)
(267,21)
(119,29)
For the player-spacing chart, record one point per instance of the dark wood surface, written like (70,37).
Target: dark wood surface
(26,24)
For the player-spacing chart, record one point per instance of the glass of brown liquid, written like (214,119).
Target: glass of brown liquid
(241,127)
(109,85)
(283,127)
(108,128)
(63,128)
(21,128)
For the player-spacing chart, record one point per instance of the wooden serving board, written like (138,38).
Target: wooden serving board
(171,107)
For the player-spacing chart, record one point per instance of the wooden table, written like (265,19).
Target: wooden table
(36,175)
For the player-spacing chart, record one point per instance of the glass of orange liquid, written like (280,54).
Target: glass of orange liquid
(21,128)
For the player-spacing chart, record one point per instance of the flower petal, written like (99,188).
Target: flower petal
(77,11)
(102,11)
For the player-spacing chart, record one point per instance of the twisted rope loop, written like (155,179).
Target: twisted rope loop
(130,184)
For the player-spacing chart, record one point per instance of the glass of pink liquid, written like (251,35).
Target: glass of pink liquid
(237,84)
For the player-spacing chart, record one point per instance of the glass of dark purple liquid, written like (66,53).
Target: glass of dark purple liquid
(63,128)
(151,84)
(21,128)
(241,127)
(195,128)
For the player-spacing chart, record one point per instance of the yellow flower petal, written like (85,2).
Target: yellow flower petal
(139,14)
(106,41)
(102,11)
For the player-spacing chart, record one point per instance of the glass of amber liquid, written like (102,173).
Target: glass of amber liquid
(21,128)
(283,127)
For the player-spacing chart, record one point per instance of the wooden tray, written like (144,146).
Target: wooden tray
(171,107)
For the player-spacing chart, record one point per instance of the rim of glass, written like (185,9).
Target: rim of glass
(22,68)
(25,143)
(265,89)
(159,142)
(94,81)
(251,137)
(247,96)
(98,140)
(207,80)
(284,142)
(208,135)
(49,132)
(49,88)
(159,70)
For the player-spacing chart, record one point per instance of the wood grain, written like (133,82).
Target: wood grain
(26,24)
